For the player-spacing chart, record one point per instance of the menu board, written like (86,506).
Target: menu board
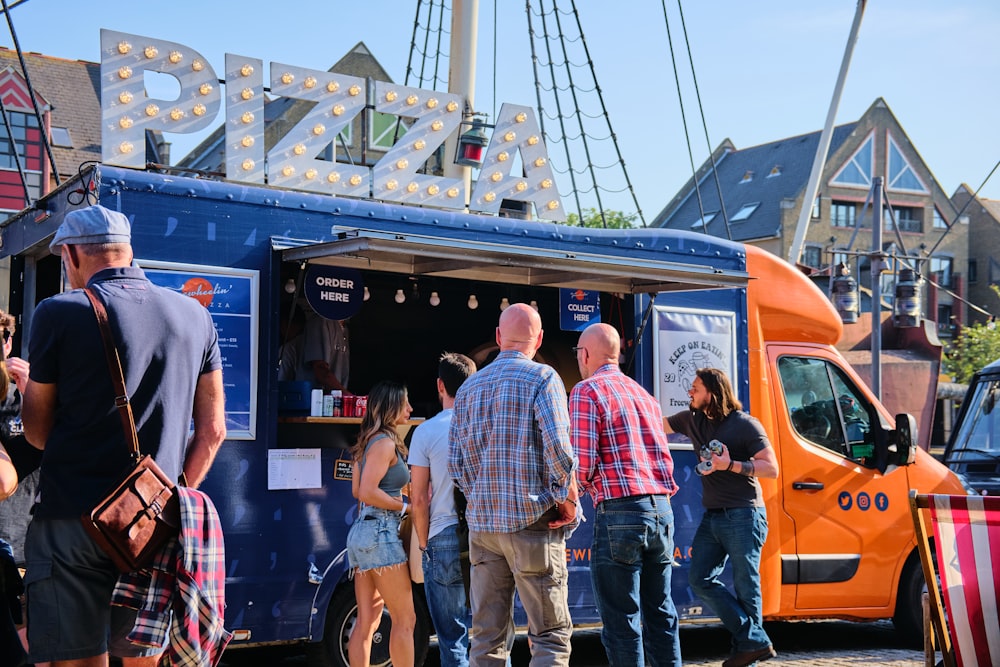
(686,340)
(230,296)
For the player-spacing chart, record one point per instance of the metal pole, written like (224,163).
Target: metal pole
(795,251)
(876,266)
(462,78)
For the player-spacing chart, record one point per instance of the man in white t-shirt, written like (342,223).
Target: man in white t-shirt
(435,517)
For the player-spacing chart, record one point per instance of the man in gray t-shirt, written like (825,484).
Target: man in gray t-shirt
(436,520)
(734,525)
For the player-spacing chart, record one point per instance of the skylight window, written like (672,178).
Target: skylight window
(61,138)
(697,224)
(775,171)
(747,177)
(745,212)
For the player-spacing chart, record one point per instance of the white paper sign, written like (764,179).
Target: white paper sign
(293,469)
(687,340)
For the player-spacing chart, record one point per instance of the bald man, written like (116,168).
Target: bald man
(626,467)
(510,454)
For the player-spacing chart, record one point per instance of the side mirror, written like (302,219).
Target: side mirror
(902,441)
(896,447)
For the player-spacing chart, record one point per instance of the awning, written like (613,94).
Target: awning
(419,255)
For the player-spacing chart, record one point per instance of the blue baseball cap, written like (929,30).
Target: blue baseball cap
(94,224)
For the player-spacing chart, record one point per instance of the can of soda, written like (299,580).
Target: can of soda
(362,406)
(350,405)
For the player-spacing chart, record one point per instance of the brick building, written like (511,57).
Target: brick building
(763,188)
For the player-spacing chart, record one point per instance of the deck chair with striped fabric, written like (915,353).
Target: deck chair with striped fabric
(963,610)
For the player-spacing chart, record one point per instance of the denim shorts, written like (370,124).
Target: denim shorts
(373,541)
(69,582)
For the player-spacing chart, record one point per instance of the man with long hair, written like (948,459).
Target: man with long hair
(734,525)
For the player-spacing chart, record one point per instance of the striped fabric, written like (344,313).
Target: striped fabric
(967,540)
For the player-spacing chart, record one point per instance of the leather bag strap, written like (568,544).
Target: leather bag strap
(117,376)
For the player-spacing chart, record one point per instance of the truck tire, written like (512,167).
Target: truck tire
(340,620)
(908,619)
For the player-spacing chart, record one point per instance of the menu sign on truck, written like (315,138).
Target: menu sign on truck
(230,296)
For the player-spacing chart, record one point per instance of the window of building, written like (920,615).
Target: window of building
(816,209)
(939,222)
(707,218)
(27,138)
(900,175)
(745,212)
(747,177)
(945,324)
(812,255)
(858,170)
(385,130)
(843,214)
(907,218)
(61,138)
(973,271)
(941,270)
(775,171)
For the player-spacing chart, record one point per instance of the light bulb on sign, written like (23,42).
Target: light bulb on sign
(473,302)
(435,300)
(290,286)
(534,304)
(368,294)
(504,304)
(400,296)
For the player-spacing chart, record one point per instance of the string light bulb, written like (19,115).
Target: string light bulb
(290,286)
(400,296)
(368,294)
(504,304)
(534,304)
(473,302)
(435,300)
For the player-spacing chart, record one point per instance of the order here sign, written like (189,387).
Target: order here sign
(333,292)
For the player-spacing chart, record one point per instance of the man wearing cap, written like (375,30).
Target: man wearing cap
(172,365)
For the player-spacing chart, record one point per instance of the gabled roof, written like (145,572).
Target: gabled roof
(72,89)
(766,174)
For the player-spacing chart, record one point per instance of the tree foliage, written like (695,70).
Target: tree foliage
(592,218)
(973,348)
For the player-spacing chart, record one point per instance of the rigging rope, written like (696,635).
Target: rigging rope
(704,125)
(687,136)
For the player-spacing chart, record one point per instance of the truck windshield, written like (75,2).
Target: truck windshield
(978,437)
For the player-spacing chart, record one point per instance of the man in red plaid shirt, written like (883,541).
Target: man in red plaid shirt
(625,466)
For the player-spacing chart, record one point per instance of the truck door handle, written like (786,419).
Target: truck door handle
(807,486)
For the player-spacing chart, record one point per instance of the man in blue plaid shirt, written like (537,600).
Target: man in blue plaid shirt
(511,455)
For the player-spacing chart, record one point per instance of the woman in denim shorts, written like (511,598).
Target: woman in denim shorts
(374,547)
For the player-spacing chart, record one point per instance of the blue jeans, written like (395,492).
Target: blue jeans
(631,562)
(446,597)
(736,535)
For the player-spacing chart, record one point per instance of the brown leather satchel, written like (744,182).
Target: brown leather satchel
(133,522)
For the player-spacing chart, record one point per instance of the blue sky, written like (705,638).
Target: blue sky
(765,70)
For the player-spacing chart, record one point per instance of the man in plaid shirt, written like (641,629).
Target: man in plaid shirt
(510,454)
(625,466)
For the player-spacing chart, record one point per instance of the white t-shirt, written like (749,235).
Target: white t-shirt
(429,448)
